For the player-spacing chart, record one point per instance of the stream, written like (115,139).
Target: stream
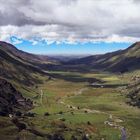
(111,122)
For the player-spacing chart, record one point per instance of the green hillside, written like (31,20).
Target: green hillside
(43,99)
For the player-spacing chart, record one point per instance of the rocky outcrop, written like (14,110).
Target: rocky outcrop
(11,100)
(133,91)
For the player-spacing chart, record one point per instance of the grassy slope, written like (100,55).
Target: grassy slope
(108,100)
(20,72)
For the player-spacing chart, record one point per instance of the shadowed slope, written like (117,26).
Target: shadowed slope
(119,61)
(20,66)
(11,100)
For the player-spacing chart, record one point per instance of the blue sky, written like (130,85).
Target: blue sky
(64,48)
(70,26)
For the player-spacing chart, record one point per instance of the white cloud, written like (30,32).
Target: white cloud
(71,21)
(16,41)
(34,42)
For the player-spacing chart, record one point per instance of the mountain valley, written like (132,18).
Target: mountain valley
(90,98)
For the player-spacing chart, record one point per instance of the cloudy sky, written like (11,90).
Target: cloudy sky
(70,26)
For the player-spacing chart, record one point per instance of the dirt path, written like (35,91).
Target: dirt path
(111,121)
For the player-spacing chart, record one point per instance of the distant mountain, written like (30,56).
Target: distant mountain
(65,58)
(21,66)
(119,61)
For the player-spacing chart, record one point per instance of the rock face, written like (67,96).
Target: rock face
(134,91)
(11,100)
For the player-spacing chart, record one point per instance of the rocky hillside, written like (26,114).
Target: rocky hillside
(133,91)
(11,100)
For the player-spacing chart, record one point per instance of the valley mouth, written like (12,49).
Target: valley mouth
(90,98)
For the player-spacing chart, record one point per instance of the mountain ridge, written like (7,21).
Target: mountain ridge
(18,65)
(118,61)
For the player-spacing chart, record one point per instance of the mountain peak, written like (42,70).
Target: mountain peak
(3,43)
(135,45)
(8,46)
(133,50)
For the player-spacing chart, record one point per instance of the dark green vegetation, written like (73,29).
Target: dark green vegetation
(83,104)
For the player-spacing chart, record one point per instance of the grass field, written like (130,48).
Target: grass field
(75,108)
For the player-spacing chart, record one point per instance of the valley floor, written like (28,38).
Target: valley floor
(70,105)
